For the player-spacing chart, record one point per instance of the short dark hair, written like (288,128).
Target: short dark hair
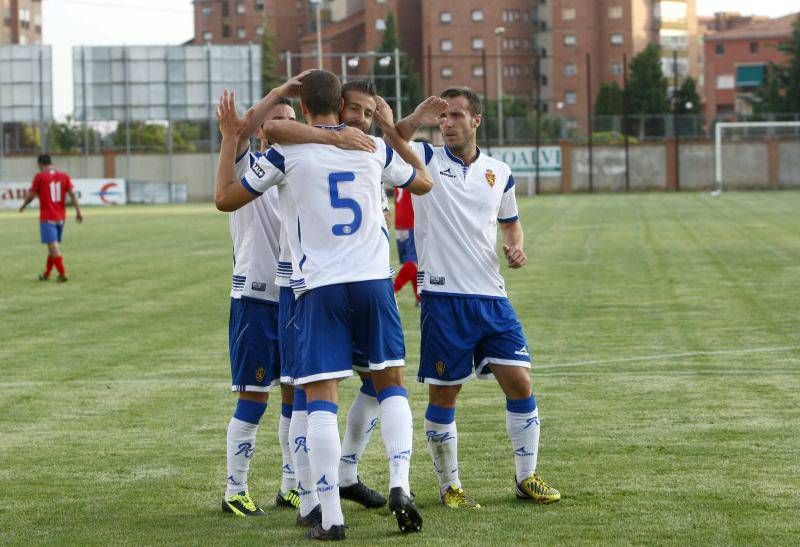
(283,100)
(321,92)
(362,86)
(472,97)
(44,159)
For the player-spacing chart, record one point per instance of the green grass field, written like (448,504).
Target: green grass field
(667,349)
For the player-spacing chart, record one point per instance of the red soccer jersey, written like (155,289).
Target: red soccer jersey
(403,210)
(52,186)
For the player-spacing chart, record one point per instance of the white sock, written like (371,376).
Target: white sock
(442,436)
(362,418)
(522,424)
(288,479)
(302,466)
(241,447)
(397,430)
(324,453)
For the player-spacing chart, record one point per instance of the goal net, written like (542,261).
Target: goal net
(757,155)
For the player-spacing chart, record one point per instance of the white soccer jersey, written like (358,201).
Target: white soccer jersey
(455,224)
(340,235)
(255,231)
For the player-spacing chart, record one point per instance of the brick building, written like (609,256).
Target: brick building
(736,61)
(22,22)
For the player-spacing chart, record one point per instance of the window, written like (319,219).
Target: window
(674,39)
(570,69)
(615,12)
(672,11)
(23,39)
(477,71)
(208,36)
(259,5)
(570,97)
(240,8)
(207,11)
(616,69)
(753,47)
(446,45)
(225,8)
(568,14)
(380,24)
(477,43)
(725,81)
(570,40)
(226,31)
(477,15)
(543,79)
(447,72)
(241,33)
(616,39)
(445,17)
(719,49)
(260,30)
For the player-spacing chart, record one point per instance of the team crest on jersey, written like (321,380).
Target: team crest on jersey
(490,177)
(260,373)
(440,367)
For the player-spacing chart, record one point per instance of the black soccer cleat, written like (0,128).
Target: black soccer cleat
(363,494)
(43,277)
(334,533)
(288,500)
(62,279)
(242,505)
(402,507)
(313,518)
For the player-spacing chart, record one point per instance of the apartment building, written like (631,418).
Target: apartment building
(22,22)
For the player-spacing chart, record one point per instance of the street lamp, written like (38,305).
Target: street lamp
(385,61)
(498,32)
(319,32)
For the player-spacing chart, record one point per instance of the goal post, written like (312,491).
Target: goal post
(719,133)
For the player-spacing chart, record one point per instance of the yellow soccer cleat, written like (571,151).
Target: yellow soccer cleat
(456,498)
(535,489)
(242,505)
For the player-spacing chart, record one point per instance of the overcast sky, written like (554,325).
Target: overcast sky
(69,23)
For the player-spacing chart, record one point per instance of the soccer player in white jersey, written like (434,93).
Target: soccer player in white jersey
(469,328)
(341,274)
(253,342)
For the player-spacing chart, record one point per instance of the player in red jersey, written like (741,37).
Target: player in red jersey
(52,187)
(404,231)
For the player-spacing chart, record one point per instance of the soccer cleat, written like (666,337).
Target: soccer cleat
(43,277)
(313,518)
(62,278)
(456,498)
(290,499)
(363,494)
(534,488)
(334,533)
(242,505)
(403,508)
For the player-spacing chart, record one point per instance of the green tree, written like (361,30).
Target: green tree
(687,100)
(269,76)
(610,100)
(647,86)
(778,92)
(385,75)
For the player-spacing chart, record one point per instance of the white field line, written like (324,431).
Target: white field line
(663,356)
(214,382)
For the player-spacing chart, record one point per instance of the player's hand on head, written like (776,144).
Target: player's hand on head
(291,87)
(384,116)
(429,110)
(515,255)
(351,138)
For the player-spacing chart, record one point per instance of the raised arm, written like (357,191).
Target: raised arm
(422,183)
(229,193)
(426,114)
(291,132)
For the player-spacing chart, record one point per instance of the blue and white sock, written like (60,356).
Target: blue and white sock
(362,418)
(299,447)
(397,430)
(442,437)
(241,444)
(288,479)
(522,424)
(324,453)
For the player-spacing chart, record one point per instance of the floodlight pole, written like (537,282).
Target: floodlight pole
(397,87)
(85,115)
(344,68)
